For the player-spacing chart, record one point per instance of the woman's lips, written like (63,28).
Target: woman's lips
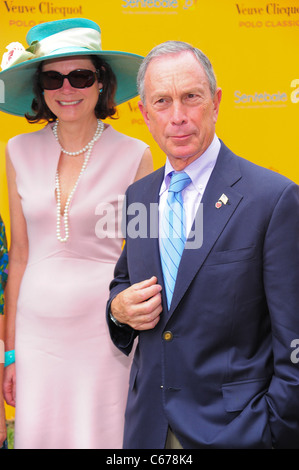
(69,103)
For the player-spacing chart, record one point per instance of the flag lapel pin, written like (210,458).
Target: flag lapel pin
(222,200)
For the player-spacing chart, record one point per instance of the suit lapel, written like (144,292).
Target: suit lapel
(225,174)
(149,246)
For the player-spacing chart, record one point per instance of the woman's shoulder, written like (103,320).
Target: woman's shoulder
(26,138)
(120,138)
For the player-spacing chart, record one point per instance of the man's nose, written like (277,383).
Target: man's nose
(179,115)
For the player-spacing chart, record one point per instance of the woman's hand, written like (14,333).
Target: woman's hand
(9,385)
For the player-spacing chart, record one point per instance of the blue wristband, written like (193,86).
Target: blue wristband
(9,358)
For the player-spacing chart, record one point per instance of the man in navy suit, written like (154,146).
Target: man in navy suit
(214,368)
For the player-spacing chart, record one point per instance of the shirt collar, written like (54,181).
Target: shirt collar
(199,170)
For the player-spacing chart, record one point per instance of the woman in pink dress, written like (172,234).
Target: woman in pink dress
(66,186)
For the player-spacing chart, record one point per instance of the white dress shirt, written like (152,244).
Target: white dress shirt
(199,171)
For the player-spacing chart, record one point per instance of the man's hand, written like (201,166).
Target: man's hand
(139,306)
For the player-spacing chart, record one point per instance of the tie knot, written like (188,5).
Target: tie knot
(178,182)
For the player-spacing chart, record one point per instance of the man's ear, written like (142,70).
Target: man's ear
(216,101)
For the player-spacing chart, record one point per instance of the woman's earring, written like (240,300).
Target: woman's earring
(101,89)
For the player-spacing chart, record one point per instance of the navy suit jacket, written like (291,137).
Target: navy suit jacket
(223,377)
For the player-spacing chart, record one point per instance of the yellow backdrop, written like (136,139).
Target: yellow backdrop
(253,46)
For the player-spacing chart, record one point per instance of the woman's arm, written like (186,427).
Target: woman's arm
(18,255)
(146,165)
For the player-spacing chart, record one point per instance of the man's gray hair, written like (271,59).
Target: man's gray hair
(175,47)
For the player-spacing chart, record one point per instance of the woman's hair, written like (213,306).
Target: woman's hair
(175,47)
(105,107)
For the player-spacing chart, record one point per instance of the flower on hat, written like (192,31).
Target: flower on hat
(15,49)
(16,53)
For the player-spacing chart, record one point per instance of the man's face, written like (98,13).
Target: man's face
(179,109)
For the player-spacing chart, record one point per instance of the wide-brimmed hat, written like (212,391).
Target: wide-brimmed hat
(62,38)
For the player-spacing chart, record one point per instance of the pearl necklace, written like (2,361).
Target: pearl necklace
(89,148)
(91,142)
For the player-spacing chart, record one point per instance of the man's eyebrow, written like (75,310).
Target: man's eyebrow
(184,91)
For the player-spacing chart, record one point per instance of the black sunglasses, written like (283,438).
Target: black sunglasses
(80,78)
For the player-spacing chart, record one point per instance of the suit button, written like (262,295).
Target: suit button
(168,336)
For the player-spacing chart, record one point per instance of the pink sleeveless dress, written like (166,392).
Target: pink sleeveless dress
(71,381)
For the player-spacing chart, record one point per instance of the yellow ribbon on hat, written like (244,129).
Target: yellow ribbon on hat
(86,38)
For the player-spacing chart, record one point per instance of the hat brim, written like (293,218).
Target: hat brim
(18,79)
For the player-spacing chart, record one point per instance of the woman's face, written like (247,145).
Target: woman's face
(69,103)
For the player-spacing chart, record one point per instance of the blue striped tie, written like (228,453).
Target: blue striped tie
(173,236)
